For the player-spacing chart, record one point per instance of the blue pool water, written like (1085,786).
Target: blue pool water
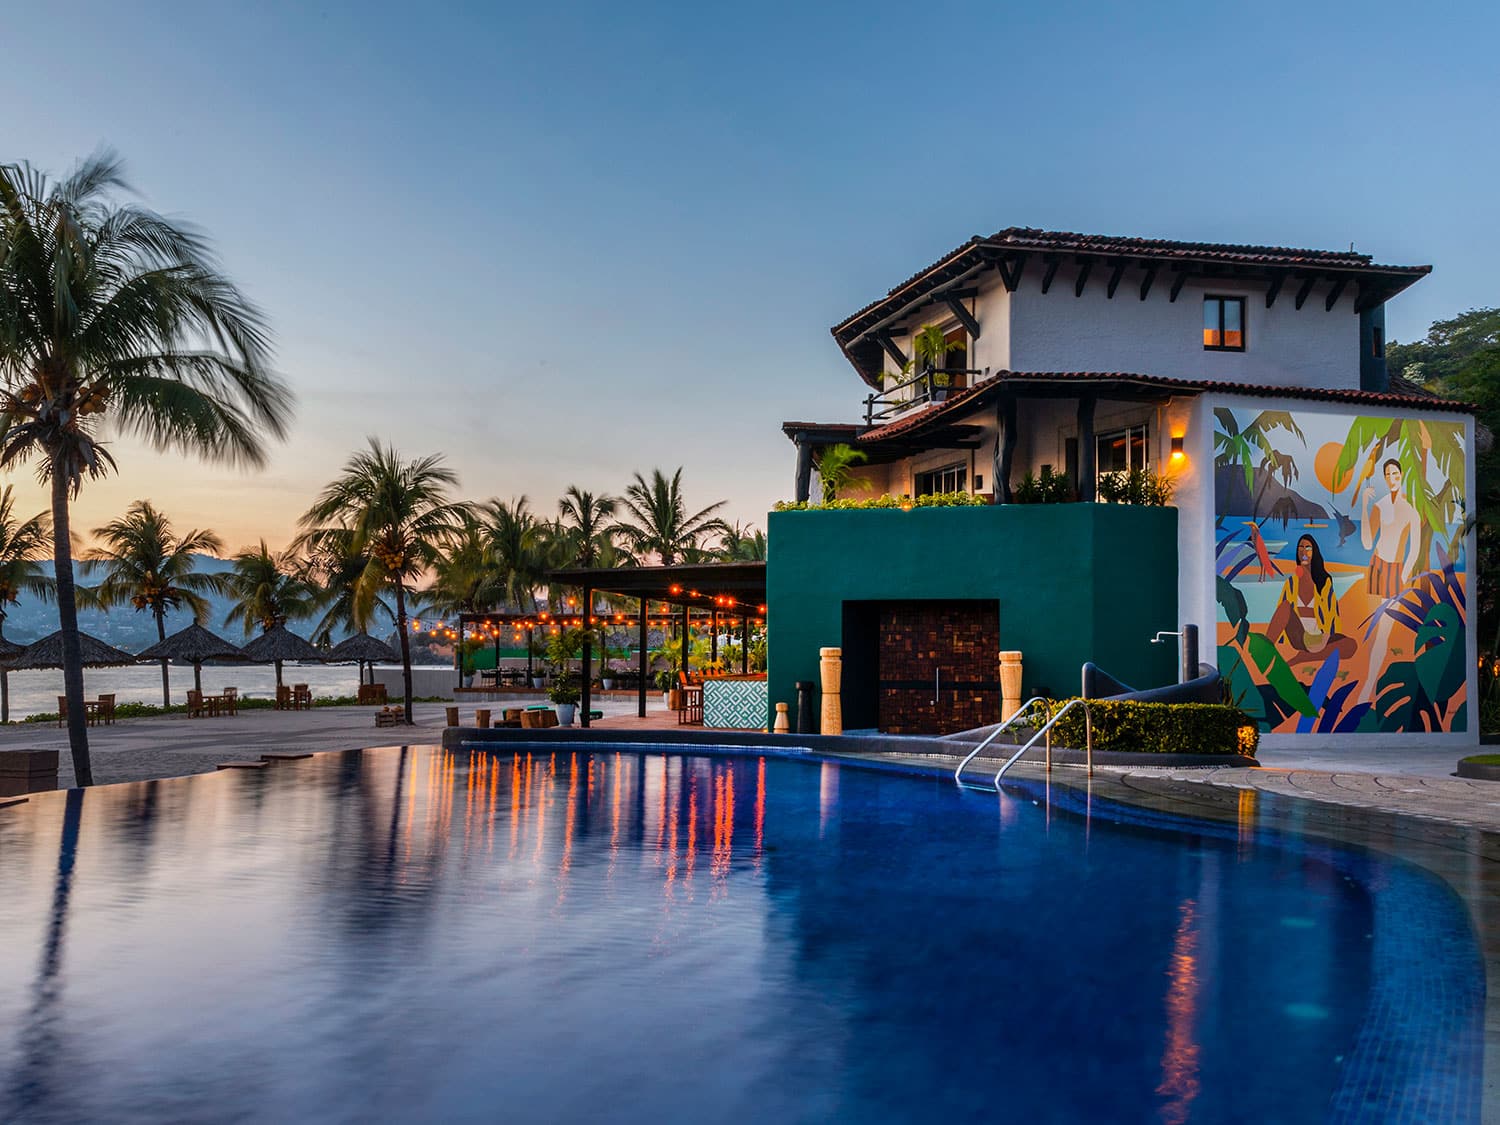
(426,936)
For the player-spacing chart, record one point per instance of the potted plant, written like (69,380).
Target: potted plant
(565,693)
(666,683)
(931,346)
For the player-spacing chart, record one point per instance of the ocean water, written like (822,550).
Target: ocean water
(590,934)
(34,691)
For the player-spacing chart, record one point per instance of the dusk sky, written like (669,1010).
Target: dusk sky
(564,242)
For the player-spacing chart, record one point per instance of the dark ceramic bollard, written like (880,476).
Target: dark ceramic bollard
(806,719)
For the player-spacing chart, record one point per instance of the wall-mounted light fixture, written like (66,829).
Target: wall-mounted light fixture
(1177,453)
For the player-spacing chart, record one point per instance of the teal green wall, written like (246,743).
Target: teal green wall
(1075,582)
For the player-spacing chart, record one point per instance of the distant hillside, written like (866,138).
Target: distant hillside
(123,626)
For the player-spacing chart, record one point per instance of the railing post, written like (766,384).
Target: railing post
(869,410)
(1088,735)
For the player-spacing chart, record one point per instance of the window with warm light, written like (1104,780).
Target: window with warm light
(1121,450)
(953,478)
(1224,324)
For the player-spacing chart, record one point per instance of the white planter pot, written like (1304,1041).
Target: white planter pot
(609,685)
(539,682)
(566,713)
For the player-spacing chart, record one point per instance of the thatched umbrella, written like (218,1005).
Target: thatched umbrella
(9,650)
(47,653)
(193,645)
(277,644)
(364,649)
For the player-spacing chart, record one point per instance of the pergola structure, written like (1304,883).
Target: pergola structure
(725,590)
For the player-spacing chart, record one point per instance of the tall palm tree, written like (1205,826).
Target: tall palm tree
(22,544)
(396,512)
(334,568)
(658,521)
(588,523)
(742,545)
(111,315)
(146,566)
(517,549)
(466,578)
(268,589)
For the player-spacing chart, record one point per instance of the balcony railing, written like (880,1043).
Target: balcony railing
(924,389)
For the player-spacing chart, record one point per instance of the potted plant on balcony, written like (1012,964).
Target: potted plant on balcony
(932,347)
(564,692)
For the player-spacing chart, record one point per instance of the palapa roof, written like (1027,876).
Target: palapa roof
(362,646)
(279,643)
(9,649)
(193,645)
(47,653)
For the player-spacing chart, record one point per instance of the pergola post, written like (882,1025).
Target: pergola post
(803,485)
(530,644)
(458,653)
(745,645)
(641,693)
(713,636)
(588,655)
(1086,448)
(684,636)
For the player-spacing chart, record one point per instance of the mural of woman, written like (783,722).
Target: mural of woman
(1307,616)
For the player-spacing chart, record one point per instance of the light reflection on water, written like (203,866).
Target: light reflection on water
(420,935)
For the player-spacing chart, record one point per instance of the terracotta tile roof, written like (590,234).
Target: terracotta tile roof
(979,250)
(981,393)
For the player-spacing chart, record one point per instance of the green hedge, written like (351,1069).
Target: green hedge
(933,500)
(1159,728)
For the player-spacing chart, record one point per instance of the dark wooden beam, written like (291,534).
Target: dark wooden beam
(1369,297)
(1087,267)
(1086,402)
(1053,260)
(884,338)
(804,470)
(1005,414)
(1275,290)
(1307,286)
(1114,280)
(1010,271)
(965,317)
(640,695)
(1147,280)
(1335,293)
(1182,276)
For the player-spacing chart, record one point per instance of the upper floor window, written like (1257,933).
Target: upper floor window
(1224,324)
(953,478)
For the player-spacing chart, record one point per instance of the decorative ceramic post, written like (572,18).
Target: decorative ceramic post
(783,723)
(831,664)
(1010,684)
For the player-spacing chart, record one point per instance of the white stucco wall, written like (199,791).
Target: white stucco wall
(1285,346)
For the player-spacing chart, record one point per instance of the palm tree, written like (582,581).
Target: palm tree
(466,578)
(586,519)
(111,315)
(334,569)
(146,566)
(658,521)
(742,545)
(268,589)
(22,543)
(396,512)
(517,550)
(836,469)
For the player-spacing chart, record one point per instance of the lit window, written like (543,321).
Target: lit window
(1224,324)
(1121,450)
(953,478)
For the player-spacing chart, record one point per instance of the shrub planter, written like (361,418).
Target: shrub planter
(566,713)
(1481,767)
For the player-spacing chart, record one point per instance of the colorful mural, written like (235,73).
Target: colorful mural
(1340,569)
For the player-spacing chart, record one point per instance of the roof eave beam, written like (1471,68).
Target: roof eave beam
(1086,266)
(1052,260)
(891,349)
(1275,290)
(1114,280)
(965,317)
(1305,289)
(1147,280)
(1335,293)
(1182,275)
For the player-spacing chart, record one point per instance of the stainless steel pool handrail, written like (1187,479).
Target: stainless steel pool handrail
(1088,729)
(1021,712)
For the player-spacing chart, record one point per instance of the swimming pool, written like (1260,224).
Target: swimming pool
(413,934)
